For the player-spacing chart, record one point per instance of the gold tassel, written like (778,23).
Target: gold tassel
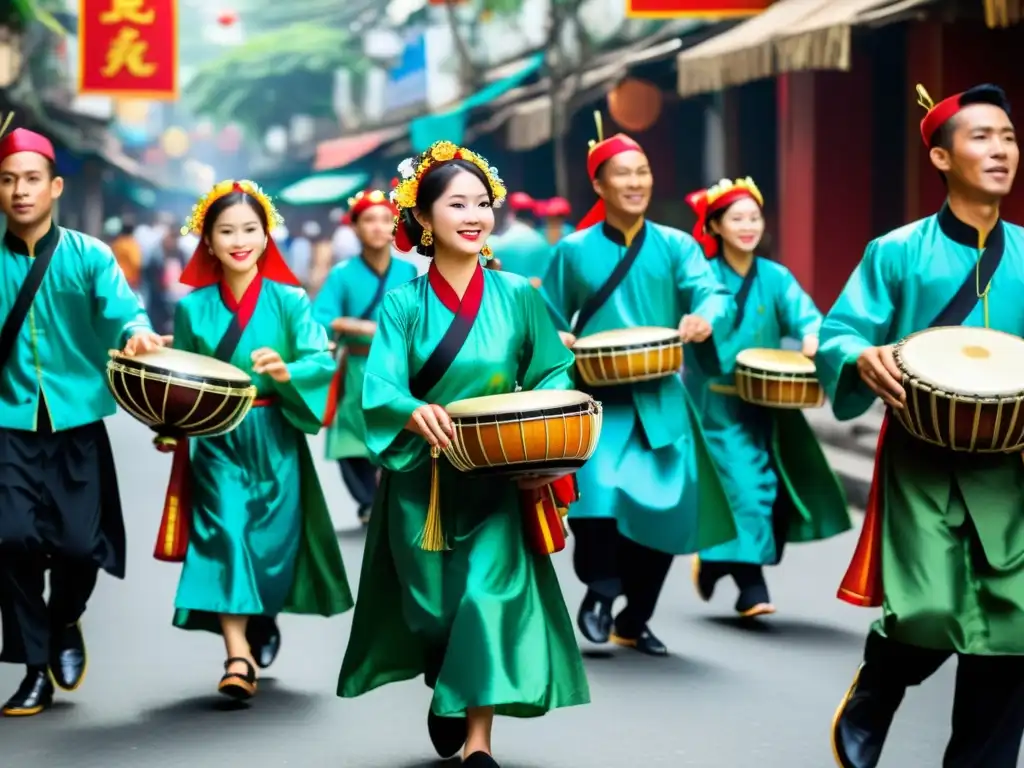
(432,537)
(923,99)
(599,124)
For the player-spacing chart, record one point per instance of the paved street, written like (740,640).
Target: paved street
(727,697)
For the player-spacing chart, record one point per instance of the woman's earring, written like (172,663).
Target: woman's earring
(486,252)
(427,238)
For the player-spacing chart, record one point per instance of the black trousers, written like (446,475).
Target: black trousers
(988,703)
(360,477)
(612,565)
(28,620)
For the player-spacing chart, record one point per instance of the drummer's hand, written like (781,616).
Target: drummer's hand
(266,360)
(810,346)
(567,338)
(535,282)
(877,368)
(145,341)
(433,424)
(694,328)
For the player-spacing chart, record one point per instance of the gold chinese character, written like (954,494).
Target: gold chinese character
(127,10)
(127,51)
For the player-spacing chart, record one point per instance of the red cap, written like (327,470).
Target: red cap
(555,207)
(520,201)
(937,116)
(365,200)
(23,140)
(600,153)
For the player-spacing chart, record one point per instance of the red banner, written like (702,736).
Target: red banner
(128,48)
(694,9)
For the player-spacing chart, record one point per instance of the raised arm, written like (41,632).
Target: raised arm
(118,314)
(560,289)
(549,365)
(311,367)
(799,318)
(702,294)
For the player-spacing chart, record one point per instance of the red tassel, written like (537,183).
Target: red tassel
(543,509)
(176,521)
(862,584)
(335,392)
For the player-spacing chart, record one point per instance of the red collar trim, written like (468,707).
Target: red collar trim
(447,295)
(246,306)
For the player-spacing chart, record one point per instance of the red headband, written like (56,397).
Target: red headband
(937,115)
(555,207)
(698,201)
(23,140)
(600,154)
(364,201)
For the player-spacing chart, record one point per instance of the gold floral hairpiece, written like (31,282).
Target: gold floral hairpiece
(727,185)
(197,218)
(413,169)
(375,197)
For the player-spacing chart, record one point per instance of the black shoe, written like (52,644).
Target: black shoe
(264,640)
(754,601)
(480,760)
(68,658)
(364,513)
(595,617)
(862,722)
(646,643)
(706,576)
(447,734)
(33,695)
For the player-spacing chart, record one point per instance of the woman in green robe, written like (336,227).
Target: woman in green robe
(483,620)
(347,306)
(779,484)
(261,539)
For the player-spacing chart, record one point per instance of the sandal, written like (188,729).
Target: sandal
(238,686)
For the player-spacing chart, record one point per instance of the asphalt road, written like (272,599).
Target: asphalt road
(727,697)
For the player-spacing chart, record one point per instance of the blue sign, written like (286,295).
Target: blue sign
(406,85)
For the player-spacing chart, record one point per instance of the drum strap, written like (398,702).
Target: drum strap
(966,298)
(22,302)
(378,295)
(744,293)
(229,341)
(602,294)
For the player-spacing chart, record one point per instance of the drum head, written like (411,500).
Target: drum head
(965,361)
(627,337)
(776,361)
(189,365)
(516,402)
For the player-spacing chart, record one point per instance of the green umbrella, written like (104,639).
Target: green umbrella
(323,188)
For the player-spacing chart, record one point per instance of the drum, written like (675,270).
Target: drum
(778,378)
(544,432)
(964,388)
(181,394)
(628,355)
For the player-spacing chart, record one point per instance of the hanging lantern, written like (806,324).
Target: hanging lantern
(175,142)
(227,18)
(635,105)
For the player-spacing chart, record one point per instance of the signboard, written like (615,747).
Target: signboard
(128,48)
(694,9)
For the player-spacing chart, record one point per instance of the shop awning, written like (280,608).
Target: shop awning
(339,153)
(791,35)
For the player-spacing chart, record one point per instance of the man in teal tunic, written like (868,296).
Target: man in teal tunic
(521,249)
(640,502)
(942,549)
(779,483)
(553,217)
(347,306)
(65,303)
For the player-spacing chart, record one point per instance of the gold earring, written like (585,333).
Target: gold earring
(486,252)
(427,238)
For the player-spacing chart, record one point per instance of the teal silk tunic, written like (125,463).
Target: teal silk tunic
(83,309)
(486,617)
(523,251)
(645,471)
(349,291)
(262,539)
(953,528)
(765,456)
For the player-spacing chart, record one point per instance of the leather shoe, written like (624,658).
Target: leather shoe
(480,760)
(33,695)
(754,601)
(862,722)
(595,617)
(68,658)
(646,643)
(447,734)
(264,638)
(706,576)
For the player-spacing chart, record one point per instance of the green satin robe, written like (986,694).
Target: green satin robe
(947,587)
(769,459)
(347,292)
(84,307)
(486,617)
(522,251)
(645,471)
(262,540)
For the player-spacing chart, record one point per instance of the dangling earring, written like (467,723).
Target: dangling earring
(427,238)
(486,252)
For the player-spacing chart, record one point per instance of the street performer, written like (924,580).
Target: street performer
(639,498)
(347,306)
(942,547)
(778,481)
(64,303)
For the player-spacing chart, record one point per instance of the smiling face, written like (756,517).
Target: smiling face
(462,217)
(982,154)
(237,238)
(374,227)
(28,188)
(741,227)
(625,182)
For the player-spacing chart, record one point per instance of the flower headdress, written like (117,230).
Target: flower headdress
(413,169)
(706,202)
(194,223)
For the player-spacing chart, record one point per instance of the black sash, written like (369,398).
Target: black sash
(378,295)
(46,247)
(602,294)
(232,336)
(744,293)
